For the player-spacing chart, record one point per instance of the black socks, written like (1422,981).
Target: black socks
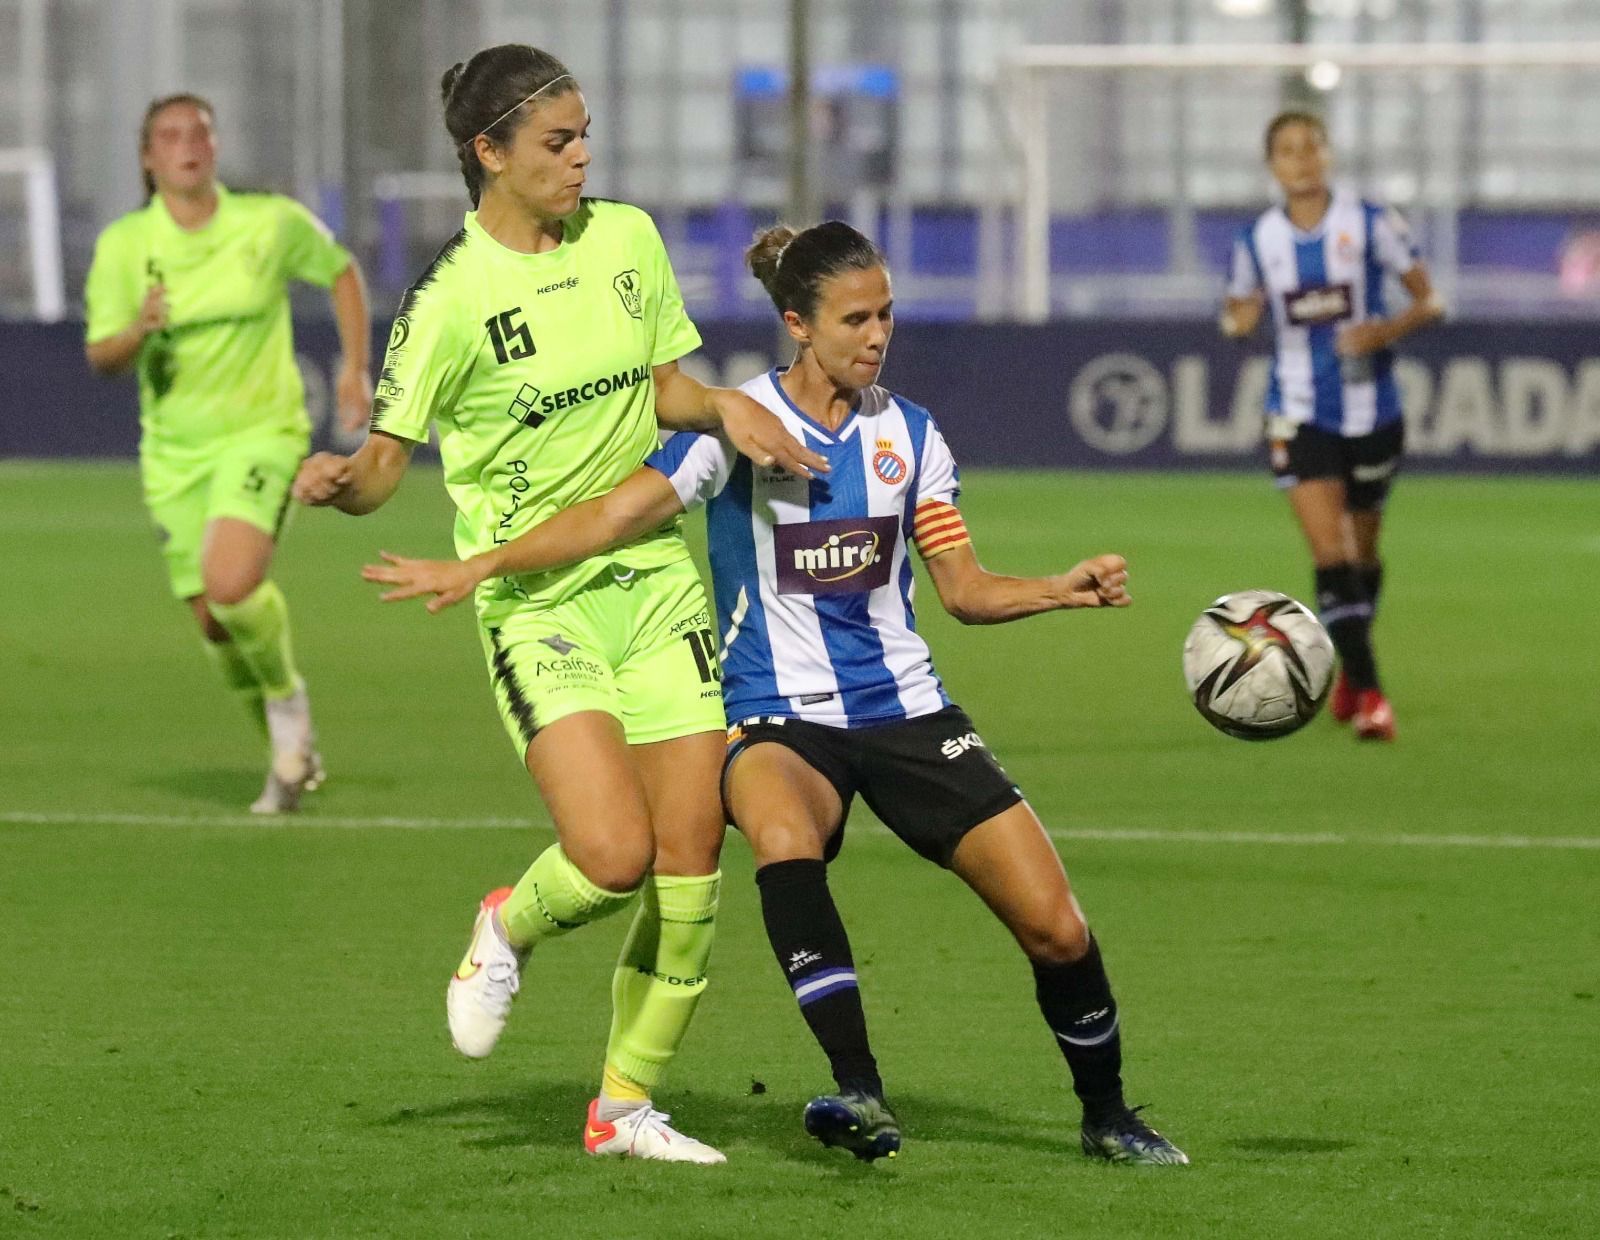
(1077,1005)
(814,953)
(1344,605)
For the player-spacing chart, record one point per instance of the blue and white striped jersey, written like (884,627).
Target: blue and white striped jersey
(813,578)
(1315,283)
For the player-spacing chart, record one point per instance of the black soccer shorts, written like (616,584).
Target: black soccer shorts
(930,779)
(1366,463)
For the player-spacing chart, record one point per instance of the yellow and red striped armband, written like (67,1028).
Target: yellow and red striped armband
(938,527)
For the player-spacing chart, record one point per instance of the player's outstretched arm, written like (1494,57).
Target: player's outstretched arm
(683,403)
(355,484)
(644,501)
(973,595)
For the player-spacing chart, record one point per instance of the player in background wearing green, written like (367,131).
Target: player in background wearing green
(543,344)
(191,291)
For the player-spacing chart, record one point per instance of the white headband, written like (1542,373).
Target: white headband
(515,106)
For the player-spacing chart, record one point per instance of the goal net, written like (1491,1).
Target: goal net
(1135,166)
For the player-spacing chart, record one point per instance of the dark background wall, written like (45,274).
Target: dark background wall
(1494,397)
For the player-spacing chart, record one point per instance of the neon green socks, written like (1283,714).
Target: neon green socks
(259,626)
(660,975)
(238,677)
(552,898)
(659,979)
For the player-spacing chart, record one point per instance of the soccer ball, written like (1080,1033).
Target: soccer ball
(1258,665)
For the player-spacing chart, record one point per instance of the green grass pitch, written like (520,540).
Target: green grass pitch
(1358,983)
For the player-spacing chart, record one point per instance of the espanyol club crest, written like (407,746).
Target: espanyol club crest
(888,464)
(631,291)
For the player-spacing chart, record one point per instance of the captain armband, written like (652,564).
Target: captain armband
(938,528)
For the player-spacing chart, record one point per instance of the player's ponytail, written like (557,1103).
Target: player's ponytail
(447,84)
(793,266)
(487,96)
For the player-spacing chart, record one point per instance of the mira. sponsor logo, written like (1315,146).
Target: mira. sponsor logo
(847,556)
(1321,303)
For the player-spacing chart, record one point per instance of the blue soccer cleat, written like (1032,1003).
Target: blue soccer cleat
(1125,1138)
(860,1123)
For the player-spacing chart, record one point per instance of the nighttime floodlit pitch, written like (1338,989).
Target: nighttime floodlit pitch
(1258,665)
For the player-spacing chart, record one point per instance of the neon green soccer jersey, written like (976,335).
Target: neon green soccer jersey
(225,361)
(536,368)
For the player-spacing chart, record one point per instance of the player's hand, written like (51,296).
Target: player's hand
(1241,315)
(449,581)
(353,394)
(758,433)
(1360,339)
(1101,581)
(323,476)
(153,310)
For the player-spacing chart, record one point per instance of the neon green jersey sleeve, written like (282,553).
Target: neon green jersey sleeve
(309,251)
(115,288)
(429,352)
(675,335)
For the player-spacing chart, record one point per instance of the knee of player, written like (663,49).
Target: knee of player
(230,586)
(1060,939)
(694,856)
(621,868)
(773,840)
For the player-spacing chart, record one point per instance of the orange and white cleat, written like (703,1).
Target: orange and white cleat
(644,1133)
(1342,702)
(481,990)
(1374,718)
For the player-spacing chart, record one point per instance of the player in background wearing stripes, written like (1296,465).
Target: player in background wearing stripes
(543,343)
(191,291)
(830,691)
(1334,421)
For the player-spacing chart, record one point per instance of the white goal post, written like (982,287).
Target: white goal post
(42,207)
(1023,81)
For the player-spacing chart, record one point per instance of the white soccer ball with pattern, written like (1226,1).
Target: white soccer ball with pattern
(1258,665)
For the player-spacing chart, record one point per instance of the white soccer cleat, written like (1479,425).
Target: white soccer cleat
(645,1133)
(295,762)
(481,990)
(278,795)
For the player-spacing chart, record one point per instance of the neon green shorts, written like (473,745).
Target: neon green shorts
(245,476)
(640,648)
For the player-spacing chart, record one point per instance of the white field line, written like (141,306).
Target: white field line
(1116,835)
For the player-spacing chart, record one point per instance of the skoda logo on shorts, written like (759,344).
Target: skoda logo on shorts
(1118,403)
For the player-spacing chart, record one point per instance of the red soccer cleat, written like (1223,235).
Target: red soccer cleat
(1374,719)
(1342,703)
